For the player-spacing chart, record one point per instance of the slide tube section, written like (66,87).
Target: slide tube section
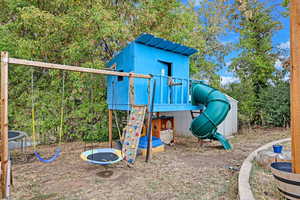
(217,107)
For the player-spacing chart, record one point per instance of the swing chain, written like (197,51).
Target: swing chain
(57,151)
(62,109)
(33,111)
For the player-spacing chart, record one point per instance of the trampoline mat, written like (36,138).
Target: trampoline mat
(283,166)
(103,157)
(13,134)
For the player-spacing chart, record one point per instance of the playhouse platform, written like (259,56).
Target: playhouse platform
(161,107)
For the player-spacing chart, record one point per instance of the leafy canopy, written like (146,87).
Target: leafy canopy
(86,33)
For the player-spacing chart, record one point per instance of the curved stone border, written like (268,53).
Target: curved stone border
(245,192)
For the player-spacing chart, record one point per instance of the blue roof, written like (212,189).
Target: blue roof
(160,43)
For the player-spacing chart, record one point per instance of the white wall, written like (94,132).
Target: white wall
(183,120)
(230,125)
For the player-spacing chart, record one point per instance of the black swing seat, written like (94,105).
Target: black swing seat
(103,156)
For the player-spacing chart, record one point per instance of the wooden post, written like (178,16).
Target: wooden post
(295,83)
(131,90)
(174,131)
(149,124)
(110,116)
(149,134)
(4,123)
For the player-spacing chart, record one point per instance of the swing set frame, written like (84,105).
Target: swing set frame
(295,97)
(5,61)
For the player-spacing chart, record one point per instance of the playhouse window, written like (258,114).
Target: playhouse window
(169,69)
(169,65)
(120,78)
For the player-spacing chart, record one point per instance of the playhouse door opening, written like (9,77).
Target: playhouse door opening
(165,89)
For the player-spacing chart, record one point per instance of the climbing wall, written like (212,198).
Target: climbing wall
(133,133)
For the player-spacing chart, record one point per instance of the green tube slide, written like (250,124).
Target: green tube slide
(217,107)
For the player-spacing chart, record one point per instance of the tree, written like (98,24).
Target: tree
(256,61)
(214,25)
(86,33)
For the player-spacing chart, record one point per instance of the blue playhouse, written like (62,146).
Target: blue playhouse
(167,61)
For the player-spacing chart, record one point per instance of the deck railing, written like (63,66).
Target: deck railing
(172,90)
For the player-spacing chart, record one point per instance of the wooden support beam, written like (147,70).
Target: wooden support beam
(295,82)
(148,153)
(149,123)
(149,134)
(74,68)
(131,91)
(4,123)
(110,139)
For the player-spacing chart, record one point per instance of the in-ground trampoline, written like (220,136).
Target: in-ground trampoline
(14,136)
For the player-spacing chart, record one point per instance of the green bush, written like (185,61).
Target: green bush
(275,104)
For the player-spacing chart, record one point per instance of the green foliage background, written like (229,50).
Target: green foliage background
(262,90)
(88,33)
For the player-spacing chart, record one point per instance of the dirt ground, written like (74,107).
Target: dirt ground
(183,171)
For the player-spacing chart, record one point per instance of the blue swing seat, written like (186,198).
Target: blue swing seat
(51,159)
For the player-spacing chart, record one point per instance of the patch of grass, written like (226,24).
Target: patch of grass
(263,184)
(44,196)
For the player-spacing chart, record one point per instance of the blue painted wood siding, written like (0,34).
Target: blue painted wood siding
(117,91)
(142,59)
